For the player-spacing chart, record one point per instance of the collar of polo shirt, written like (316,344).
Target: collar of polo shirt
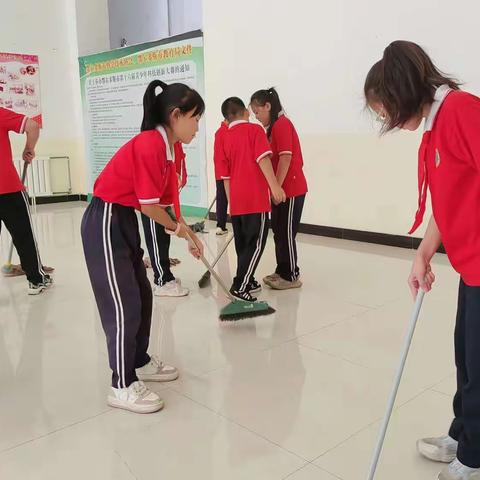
(438,99)
(237,122)
(169,151)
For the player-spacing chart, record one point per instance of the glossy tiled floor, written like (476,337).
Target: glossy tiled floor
(295,395)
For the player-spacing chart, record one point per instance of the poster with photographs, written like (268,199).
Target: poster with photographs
(20,84)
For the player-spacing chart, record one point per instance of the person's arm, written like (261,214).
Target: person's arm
(283,166)
(278,194)
(226,183)
(32,131)
(421,275)
(159,215)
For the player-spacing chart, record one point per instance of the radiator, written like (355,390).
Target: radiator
(46,176)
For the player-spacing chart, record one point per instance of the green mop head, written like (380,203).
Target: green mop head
(240,309)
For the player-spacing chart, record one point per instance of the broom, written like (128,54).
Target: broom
(236,309)
(205,280)
(199,227)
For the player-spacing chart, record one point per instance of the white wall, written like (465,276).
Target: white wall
(138,21)
(317,54)
(48,29)
(185,16)
(93,30)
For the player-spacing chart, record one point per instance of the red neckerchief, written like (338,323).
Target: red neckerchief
(422,181)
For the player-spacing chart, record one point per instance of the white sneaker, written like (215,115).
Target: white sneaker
(171,289)
(38,288)
(157,371)
(135,398)
(221,231)
(457,471)
(440,449)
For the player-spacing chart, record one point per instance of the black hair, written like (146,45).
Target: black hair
(158,107)
(232,107)
(404,81)
(262,97)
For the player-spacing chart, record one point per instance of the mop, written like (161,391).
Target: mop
(396,384)
(199,227)
(205,280)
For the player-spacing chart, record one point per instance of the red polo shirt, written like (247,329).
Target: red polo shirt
(142,172)
(218,150)
(9,122)
(284,139)
(245,144)
(449,166)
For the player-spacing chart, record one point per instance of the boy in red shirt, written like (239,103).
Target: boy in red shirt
(248,174)
(222,201)
(404,88)
(14,206)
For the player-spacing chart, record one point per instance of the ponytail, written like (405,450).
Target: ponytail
(157,107)
(262,97)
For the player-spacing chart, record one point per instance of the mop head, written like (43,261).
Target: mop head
(11,270)
(198,227)
(240,309)
(205,280)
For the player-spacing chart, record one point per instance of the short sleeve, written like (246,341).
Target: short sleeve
(11,121)
(150,170)
(222,164)
(261,145)
(282,135)
(467,120)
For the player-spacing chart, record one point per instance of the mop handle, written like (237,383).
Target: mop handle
(210,208)
(24,176)
(222,251)
(396,384)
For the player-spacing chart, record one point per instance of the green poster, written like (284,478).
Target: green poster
(113,84)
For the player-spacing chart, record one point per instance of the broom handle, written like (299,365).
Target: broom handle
(24,176)
(222,251)
(396,384)
(210,208)
(213,273)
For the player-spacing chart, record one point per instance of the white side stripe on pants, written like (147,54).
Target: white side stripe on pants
(27,206)
(117,300)
(156,254)
(291,249)
(255,256)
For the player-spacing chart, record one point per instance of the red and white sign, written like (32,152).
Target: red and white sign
(20,84)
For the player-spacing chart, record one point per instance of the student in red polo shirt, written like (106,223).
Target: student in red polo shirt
(14,207)
(222,201)
(287,163)
(248,175)
(140,176)
(158,241)
(404,88)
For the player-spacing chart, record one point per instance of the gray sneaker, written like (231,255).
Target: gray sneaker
(281,284)
(457,471)
(270,278)
(136,398)
(157,371)
(441,449)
